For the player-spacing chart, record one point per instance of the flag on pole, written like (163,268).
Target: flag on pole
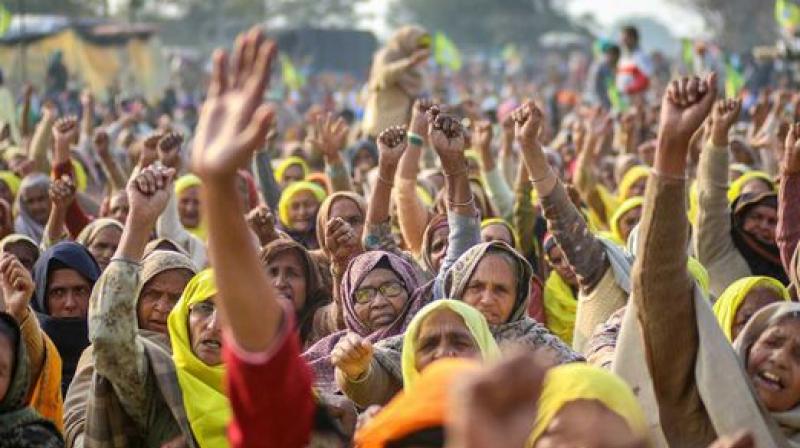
(446,53)
(787,14)
(734,81)
(5,19)
(291,77)
(687,54)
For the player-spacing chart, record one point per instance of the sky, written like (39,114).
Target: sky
(682,22)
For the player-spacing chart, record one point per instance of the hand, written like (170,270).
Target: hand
(419,119)
(686,104)
(502,397)
(341,242)
(17,285)
(234,121)
(723,116)
(329,136)
(742,439)
(100,142)
(447,137)
(420,56)
(27,91)
(528,120)
(352,355)
(148,149)
(482,134)
(148,194)
(508,130)
(87,100)
(598,127)
(391,145)
(780,99)
(65,131)
(262,221)
(49,112)
(169,150)
(791,156)
(62,193)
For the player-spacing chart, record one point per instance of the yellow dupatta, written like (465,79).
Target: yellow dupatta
(726,307)
(182,184)
(560,306)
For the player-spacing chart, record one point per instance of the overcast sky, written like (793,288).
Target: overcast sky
(682,22)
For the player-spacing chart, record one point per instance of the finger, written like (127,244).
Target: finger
(711,93)
(681,92)
(238,61)
(219,74)
(252,41)
(254,134)
(260,76)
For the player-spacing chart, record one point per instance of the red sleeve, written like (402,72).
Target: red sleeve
(788,230)
(76,218)
(270,395)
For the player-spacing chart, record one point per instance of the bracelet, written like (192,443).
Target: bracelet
(384,181)
(415,139)
(545,177)
(457,173)
(462,204)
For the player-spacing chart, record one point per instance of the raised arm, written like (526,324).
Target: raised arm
(40,141)
(411,213)
(392,71)
(378,226)
(25,118)
(662,287)
(329,138)
(62,195)
(100,143)
(496,186)
(788,230)
(232,125)
(598,127)
(65,134)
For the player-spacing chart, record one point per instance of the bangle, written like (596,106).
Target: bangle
(462,204)
(384,181)
(545,177)
(415,139)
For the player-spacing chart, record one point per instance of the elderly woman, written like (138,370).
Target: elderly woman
(290,170)
(23,247)
(396,79)
(297,211)
(33,203)
(744,298)
(101,238)
(187,191)
(20,425)
(377,296)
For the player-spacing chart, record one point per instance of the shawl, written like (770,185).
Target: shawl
(182,184)
(20,425)
(572,382)
(70,334)
(418,409)
(280,170)
(324,213)
(736,187)
(89,233)
(474,321)
(19,238)
(11,180)
(628,205)
(318,355)
(160,243)
(204,398)
(500,221)
(727,305)
(787,421)
(763,259)
(634,174)
(288,194)
(401,45)
(46,395)
(560,306)
(25,224)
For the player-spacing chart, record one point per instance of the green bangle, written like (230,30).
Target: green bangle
(415,139)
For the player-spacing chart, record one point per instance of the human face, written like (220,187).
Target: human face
(443,334)
(586,423)
(384,306)
(189,207)
(637,188)
(496,232)
(291,174)
(760,222)
(492,289)
(288,275)
(104,245)
(439,245)
(628,221)
(68,293)
(773,365)
(7,355)
(25,253)
(557,261)
(364,161)
(118,207)
(205,332)
(37,202)
(753,301)
(350,213)
(303,210)
(159,295)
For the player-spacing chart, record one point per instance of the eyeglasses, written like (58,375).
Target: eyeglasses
(203,309)
(390,289)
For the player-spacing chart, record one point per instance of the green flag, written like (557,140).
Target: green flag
(687,54)
(734,81)
(446,53)
(5,19)
(787,14)
(291,77)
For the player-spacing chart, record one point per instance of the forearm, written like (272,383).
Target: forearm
(247,300)
(379,203)
(713,218)
(55,229)
(338,175)
(34,342)
(465,232)
(39,143)
(25,119)
(375,387)
(499,192)
(411,213)
(788,230)
(266,179)
(112,170)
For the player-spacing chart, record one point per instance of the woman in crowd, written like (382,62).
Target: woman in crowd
(744,298)
(297,211)
(33,205)
(101,238)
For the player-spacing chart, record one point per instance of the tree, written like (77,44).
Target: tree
(738,25)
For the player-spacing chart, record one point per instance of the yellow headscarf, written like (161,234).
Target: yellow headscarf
(728,304)
(288,194)
(472,318)
(578,381)
(633,174)
(511,229)
(625,207)
(280,170)
(560,306)
(81,180)
(735,189)
(12,181)
(182,184)
(699,273)
(207,406)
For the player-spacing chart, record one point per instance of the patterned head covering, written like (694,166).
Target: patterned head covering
(25,224)
(324,212)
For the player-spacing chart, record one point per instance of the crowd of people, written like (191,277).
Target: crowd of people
(467,274)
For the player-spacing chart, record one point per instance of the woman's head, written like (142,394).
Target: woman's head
(118,206)
(498,229)
(364,156)
(445,329)
(752,183)
(34,199)
(298,206)
(757,216)
(23,247)
(187,190)
(194,328)
(575,395)
(558,262)
(633,182)
(291,169)
(348,206)
(9,186)
(163,278)
(101,238)
(64,276)
(377,288)
(626,217)
(742,299)
(434,243)
(770,348)
(493,278)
